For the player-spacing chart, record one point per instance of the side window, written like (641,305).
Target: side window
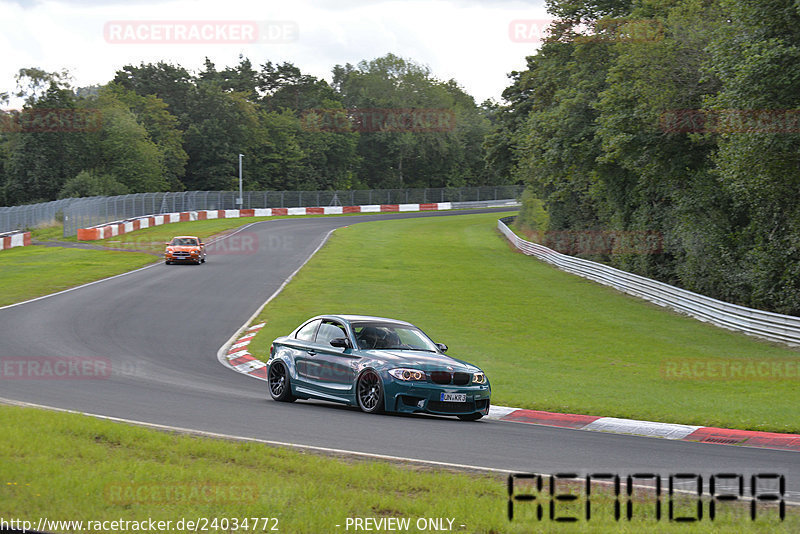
(330,330)
(307,332)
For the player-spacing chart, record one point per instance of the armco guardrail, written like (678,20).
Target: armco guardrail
(766,325)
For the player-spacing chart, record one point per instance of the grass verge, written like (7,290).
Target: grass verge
(29,272)
(68,467)
(547,340)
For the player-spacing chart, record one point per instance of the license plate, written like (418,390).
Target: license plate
(454,397)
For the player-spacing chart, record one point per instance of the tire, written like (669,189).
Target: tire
(369,392)
(470,416)
(280,389)
(167,262)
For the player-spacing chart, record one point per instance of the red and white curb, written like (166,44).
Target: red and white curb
(114,229)
(238,358)
(702,434)
(14,239)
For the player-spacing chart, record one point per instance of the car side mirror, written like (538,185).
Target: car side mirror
(340,342)
(167,243)
(442,347)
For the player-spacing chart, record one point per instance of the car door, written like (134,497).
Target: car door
(303,350)
(335,367)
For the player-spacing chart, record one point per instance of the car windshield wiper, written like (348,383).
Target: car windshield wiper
(410,348)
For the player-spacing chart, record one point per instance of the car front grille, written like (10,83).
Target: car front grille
(445,377)
(440,377)
(461,379)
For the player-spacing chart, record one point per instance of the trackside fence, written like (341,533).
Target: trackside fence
(16,218)
(766,325)
(93,211)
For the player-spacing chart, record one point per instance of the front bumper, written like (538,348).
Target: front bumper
(182,257)
(415,397)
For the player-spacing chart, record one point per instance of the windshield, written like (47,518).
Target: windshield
(184,242)
(391,336)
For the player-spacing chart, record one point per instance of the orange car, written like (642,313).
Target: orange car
(185,248)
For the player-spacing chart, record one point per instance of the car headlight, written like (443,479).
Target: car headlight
(478,378)
(408,374)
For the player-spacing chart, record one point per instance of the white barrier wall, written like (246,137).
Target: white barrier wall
(14,239)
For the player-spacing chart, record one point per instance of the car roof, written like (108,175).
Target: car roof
(187,236)
(363,318)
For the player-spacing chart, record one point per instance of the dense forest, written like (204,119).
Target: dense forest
(159,127)
(676,117)
(673,118)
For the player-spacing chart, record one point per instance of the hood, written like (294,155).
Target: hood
(420,359)
(183,248)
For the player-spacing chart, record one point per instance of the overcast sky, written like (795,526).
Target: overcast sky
(466,40)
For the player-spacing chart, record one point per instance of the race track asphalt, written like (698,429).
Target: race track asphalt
(159,328)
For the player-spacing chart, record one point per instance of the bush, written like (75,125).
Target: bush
(533,217)
(90,184)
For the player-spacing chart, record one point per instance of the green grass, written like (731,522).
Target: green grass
(547,340)
(73,467)
(28,272)
(52,232)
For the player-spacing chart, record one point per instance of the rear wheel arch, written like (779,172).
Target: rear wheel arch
(279,383)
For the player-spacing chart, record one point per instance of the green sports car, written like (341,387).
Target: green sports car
(376,364)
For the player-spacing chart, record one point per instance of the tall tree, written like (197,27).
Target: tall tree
(755,55)
(41,153)
(415,130)
(173,84)
(126,152)
(162,128)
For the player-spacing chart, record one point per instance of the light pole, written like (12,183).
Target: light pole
(240,200)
